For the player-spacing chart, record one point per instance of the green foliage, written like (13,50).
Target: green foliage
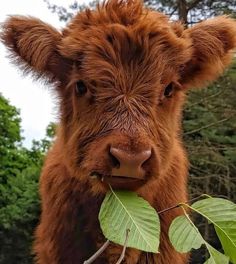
(10,124)
(19,174)
(10,138)
(20,195)
(40,148)
(122,211)
(222,214)
(185,236)
(19,214)
(210,136)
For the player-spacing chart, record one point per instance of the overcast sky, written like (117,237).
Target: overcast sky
(36,105)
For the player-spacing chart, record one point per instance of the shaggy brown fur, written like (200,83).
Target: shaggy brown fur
(126,56)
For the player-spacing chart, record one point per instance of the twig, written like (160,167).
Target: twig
(204,99)
(211,124)
(124,248)
(172,13)
(168,209)
(98,253)
(178,205)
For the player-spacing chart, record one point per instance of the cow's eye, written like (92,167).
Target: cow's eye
(169,90)
(80,88)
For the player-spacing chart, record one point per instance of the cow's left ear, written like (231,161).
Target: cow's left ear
(33,44)
(213,42)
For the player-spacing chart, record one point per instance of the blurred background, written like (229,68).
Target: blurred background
(28,119)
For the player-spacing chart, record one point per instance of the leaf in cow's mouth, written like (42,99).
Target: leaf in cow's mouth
(124,210)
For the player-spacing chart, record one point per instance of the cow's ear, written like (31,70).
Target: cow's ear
(213,42)
(33,44)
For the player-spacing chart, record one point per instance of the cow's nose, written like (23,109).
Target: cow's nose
(129,164)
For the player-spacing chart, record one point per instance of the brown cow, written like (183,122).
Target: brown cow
(121,73)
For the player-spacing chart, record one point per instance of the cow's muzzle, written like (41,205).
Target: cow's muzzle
(127,168)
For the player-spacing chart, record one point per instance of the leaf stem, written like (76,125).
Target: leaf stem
(189,219)
(98,253)
(124,248)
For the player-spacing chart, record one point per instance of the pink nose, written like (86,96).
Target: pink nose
(129,165)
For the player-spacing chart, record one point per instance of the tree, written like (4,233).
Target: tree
(66,14)
(10,138)
(189,11)
(19,175)
(193,11)
(19,215)
(210,136)
(10,124)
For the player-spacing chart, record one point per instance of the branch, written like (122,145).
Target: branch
(211,124)
(98,253)
(178,205)
(124,248)
(174,10)
(205,99)
(209,177)
(104,246)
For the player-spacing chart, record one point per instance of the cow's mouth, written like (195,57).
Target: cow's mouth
(119,181)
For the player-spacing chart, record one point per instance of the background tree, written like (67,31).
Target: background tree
(19,175)
(189,11)
(210,137)
(193,11)
(10,138)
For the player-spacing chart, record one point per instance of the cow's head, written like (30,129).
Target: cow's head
(121,73)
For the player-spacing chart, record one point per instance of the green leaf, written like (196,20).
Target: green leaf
(215,256)
(122,210)
(184,236)
(222,214)
(227,244)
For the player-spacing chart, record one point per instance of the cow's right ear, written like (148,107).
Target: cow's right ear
(213,42)
(33,44)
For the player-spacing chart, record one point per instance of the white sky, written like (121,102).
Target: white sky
(32,98)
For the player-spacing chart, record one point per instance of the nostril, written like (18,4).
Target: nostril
(115,162)
(147,156)
(129,163)
(133,160)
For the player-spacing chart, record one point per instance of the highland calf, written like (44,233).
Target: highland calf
(121,73)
